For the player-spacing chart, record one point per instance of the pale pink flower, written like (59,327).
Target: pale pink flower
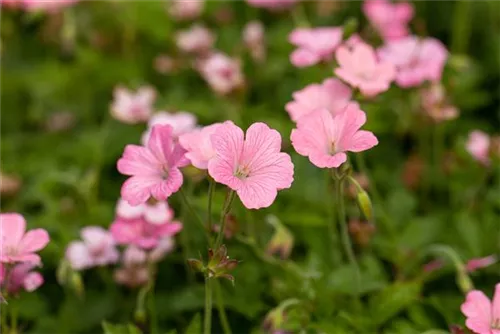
(141,233)
(483,316)
(416,60)
(153,213)
(38,5)
(272,4)
(435,104)
(254,39)
(352,41)
(17,245)
(252,165)
(331,94)
(181,122)
(132,277)
(478,145)
(325,138)
(481,262)
(390,19)
(186,9)
(199,146)
(222,73)
(97,248)
(164,64)
(197,39)
(22,276)
(130,107)
(153,169)
(360,68)
(164,246)
(314,45)
(134,255)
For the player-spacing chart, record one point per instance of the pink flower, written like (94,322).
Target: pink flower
(181,122)
(164,246)
(272,4)
(153,213)
(252,166)
(186,9)
(222,73)
(360,68)
(133,108)
(153,169)
(390,19)
(436,105)
(314,45)
(478,145)
(331,94)
(97,248)
(483,316)
(196,39)
(416,60)
(325,138)
(198,145)
(17,245)
(39,5)
(482,262)
(22,276)
(141,233)
(254,39)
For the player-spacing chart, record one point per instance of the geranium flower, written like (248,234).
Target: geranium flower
(141,233)
(199,146)
(478,145)
(132,108)
(153,213)
(252,165)
(181,122)
(390,19)
(483,316)
(314,45)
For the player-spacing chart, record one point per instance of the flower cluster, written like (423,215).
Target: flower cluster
(18,257)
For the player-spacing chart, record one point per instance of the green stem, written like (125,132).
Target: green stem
(3,318)
(153,320)
(208,306)
(461,26)
(437,145)
(225,211)
(332,230)
(220,306)
(13,319)
(346,240)
(211,189)
(193,212)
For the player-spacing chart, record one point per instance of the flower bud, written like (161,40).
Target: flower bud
(140,315)
(464,282)
(196,265)
(361,232)
(365,205)
(282,240)
(76,283)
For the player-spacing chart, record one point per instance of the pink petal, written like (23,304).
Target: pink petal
(32,281)
(137,189)
(160,142)
(177,157)
(78,256)
(362,141)
(477,309)
(495,305)
(33,241)
(169,229)
(300,36)
(346,124)
(158,213)
(12,228)
(256,194)
(30,257)
(328,161)
(276,172)
(344,58)
(304,58)
(127,211)
(165,188)
(261,143)
(137,160)
(126,232)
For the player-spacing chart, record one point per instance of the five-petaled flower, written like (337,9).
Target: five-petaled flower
(483,316)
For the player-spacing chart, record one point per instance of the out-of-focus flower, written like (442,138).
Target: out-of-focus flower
(314,45)
(254,39)
(483,315)
(141,233)
(361,232)
(390,19)
(153,212)
(60,121)
(360,68)
(362,180)
(153,169)
(253,166)
(282,240)
(164,64)
(181,122)
(412,171)
(130,107)
(9,184)
(433,266)
(22,276)
(353,40)
(163,247)
(197,39)
(185,9)
(482,262)
(97,248)
(230,229)
(132,277)
(416,60)
(222,73)
(272,4)
(199,145)
(325,138)
(17,245)
(38,5)
(436,105)
(224,15)
(327,8)
(478,145)
(331,94)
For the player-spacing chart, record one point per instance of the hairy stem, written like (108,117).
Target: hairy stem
(220,307)
(207,327)
(211,190)
(222,225)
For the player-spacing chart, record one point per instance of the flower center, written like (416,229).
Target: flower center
(241,172)
(495,324)
(332,150)
(164,174)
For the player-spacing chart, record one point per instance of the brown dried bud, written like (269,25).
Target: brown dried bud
(361,232)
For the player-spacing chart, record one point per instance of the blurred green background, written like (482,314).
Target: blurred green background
(58,73)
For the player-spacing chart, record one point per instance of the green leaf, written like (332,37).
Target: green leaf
(393,300)
(195,325)
(110,328)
